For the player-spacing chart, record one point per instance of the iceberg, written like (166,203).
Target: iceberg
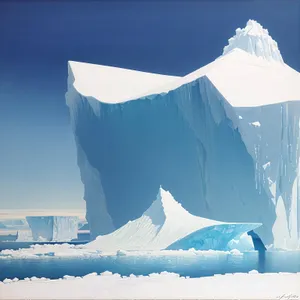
(167,225)
(224,139)
(2,226)
(53,228)
(24,236)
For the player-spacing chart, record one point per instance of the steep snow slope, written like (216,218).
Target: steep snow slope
(164,223)
(53,228)
(199,136)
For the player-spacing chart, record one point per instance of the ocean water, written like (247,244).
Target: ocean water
(191,265)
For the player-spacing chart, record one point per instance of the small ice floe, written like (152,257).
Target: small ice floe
(236,252)
(255,124)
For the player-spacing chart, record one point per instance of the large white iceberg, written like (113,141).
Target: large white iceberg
(167,225)
(53,228)
(224,140)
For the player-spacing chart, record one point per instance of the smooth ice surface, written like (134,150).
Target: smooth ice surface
(255,40)
(163,286)
(100,82)
(166,222)
(195,136)
(53,228)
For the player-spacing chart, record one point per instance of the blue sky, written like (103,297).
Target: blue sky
(37,154)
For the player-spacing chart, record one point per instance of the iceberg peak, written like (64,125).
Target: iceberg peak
(255,40)
(165,206)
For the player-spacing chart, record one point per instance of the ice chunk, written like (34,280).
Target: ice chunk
(255,124)
(242,243)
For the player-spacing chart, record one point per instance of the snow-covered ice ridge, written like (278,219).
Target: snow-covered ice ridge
(167,225)
(163,286)
(197,136)
(53,228)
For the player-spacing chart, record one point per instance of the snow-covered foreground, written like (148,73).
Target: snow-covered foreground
(164,286)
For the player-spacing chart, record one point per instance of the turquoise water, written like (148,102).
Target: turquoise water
(192,265)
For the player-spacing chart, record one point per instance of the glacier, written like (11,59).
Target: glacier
(224,139)
(167,225)
(53,228)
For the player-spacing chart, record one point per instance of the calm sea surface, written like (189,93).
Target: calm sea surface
(192,265)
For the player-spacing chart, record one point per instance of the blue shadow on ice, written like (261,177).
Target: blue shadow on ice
(213,237)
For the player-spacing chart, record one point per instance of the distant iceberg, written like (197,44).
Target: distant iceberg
(53,228)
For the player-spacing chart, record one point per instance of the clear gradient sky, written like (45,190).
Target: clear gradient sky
(37,152)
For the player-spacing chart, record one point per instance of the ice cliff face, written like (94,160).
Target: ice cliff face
(256,40)
(53,228)
(224,140)
(184,140)
(166,224)
(272,136)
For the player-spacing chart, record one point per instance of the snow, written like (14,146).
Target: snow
(255,124)
(100,82)
(252,285)
(158,228)
(53,228)
(57,251)
(246,80)
(266,165)
(256,40)
(235,74)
